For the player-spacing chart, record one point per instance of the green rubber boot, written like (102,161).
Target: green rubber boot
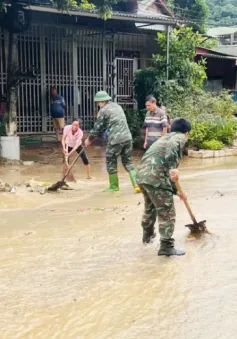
(167,249)
(113,183)
(132,175)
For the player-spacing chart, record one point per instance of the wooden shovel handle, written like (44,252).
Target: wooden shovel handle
(179,188)
(73,163)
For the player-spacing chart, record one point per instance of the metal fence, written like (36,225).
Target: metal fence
(78,62)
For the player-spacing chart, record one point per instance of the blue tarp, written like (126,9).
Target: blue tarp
(235,96)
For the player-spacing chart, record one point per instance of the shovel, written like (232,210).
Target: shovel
(61,183)
(196,227)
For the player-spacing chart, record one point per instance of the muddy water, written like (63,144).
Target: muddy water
(72,264)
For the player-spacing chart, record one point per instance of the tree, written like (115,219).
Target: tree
(181,65)
(185,75)
(195,11)
(222,12)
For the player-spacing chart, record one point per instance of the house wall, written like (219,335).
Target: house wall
(221,73)
(79,60)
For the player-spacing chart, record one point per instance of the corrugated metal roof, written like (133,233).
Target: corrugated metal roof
(211,51)
(221,31)
(116,15)
(217,56)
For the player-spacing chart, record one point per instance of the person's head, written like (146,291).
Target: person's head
(53,91)
(75,125)
(151,103)
(181,125)
(101,98)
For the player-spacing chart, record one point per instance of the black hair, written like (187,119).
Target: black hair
(181,125)
(53,88)
(151,98)
(77,120)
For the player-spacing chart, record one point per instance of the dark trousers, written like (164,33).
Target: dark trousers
(83,155)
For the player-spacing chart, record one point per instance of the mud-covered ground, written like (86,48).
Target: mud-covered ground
(72,264)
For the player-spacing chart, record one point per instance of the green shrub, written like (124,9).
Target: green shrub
(135,121)
(2,129)
(212,145)
(221,129)
(198,134)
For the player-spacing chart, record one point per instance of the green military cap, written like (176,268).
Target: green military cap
(102,96)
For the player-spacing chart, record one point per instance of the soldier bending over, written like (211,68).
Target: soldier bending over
(155,176)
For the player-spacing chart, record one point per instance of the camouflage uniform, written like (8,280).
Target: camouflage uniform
(112,119)
(157,188)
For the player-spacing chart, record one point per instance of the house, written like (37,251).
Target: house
(221,69)
(227,37)
(81,54)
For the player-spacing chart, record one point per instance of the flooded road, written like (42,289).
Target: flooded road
(72,264)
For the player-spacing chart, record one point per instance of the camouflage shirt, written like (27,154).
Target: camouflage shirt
(112,119)
(163,155)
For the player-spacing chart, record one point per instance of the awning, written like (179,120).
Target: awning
(149,27)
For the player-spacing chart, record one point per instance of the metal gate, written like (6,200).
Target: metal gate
(123,81)
(3,68)
(78,62)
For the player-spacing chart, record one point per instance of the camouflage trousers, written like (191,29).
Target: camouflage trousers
(159,203)
(124,150)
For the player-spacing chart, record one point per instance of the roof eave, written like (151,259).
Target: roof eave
(216,56)
(115,16)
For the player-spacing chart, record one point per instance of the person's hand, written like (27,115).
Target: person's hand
(87,142)
(145,145)
(182,196)
(174,174)
(65,151)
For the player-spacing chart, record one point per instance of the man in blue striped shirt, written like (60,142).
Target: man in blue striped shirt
(156,122)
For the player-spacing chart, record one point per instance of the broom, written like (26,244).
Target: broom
(70,176)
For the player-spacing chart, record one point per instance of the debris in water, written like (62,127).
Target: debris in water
(27,233)
(5,187)
(28,163)
(218,193)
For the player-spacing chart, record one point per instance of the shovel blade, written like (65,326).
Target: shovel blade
(199,227)
(56,186)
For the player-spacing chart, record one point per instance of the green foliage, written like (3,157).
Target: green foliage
(186,75)
(195,11)
(104,6)
(135,121)
(145,84)
(222,12)
(212,145)
(223,130)
(182,44)
(2,129)
(210,43)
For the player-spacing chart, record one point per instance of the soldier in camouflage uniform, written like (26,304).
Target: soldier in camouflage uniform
(111,118)
(155,176)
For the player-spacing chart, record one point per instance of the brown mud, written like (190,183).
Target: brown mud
(72,264)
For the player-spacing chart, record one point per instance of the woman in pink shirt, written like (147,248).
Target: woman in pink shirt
(72,142)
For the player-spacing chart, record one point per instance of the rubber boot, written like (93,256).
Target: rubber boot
(148,235)
(132,175)
(167,249)
(113,183)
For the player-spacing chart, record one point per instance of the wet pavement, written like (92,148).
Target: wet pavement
(72,264)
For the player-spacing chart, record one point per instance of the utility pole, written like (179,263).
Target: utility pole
(167,52)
